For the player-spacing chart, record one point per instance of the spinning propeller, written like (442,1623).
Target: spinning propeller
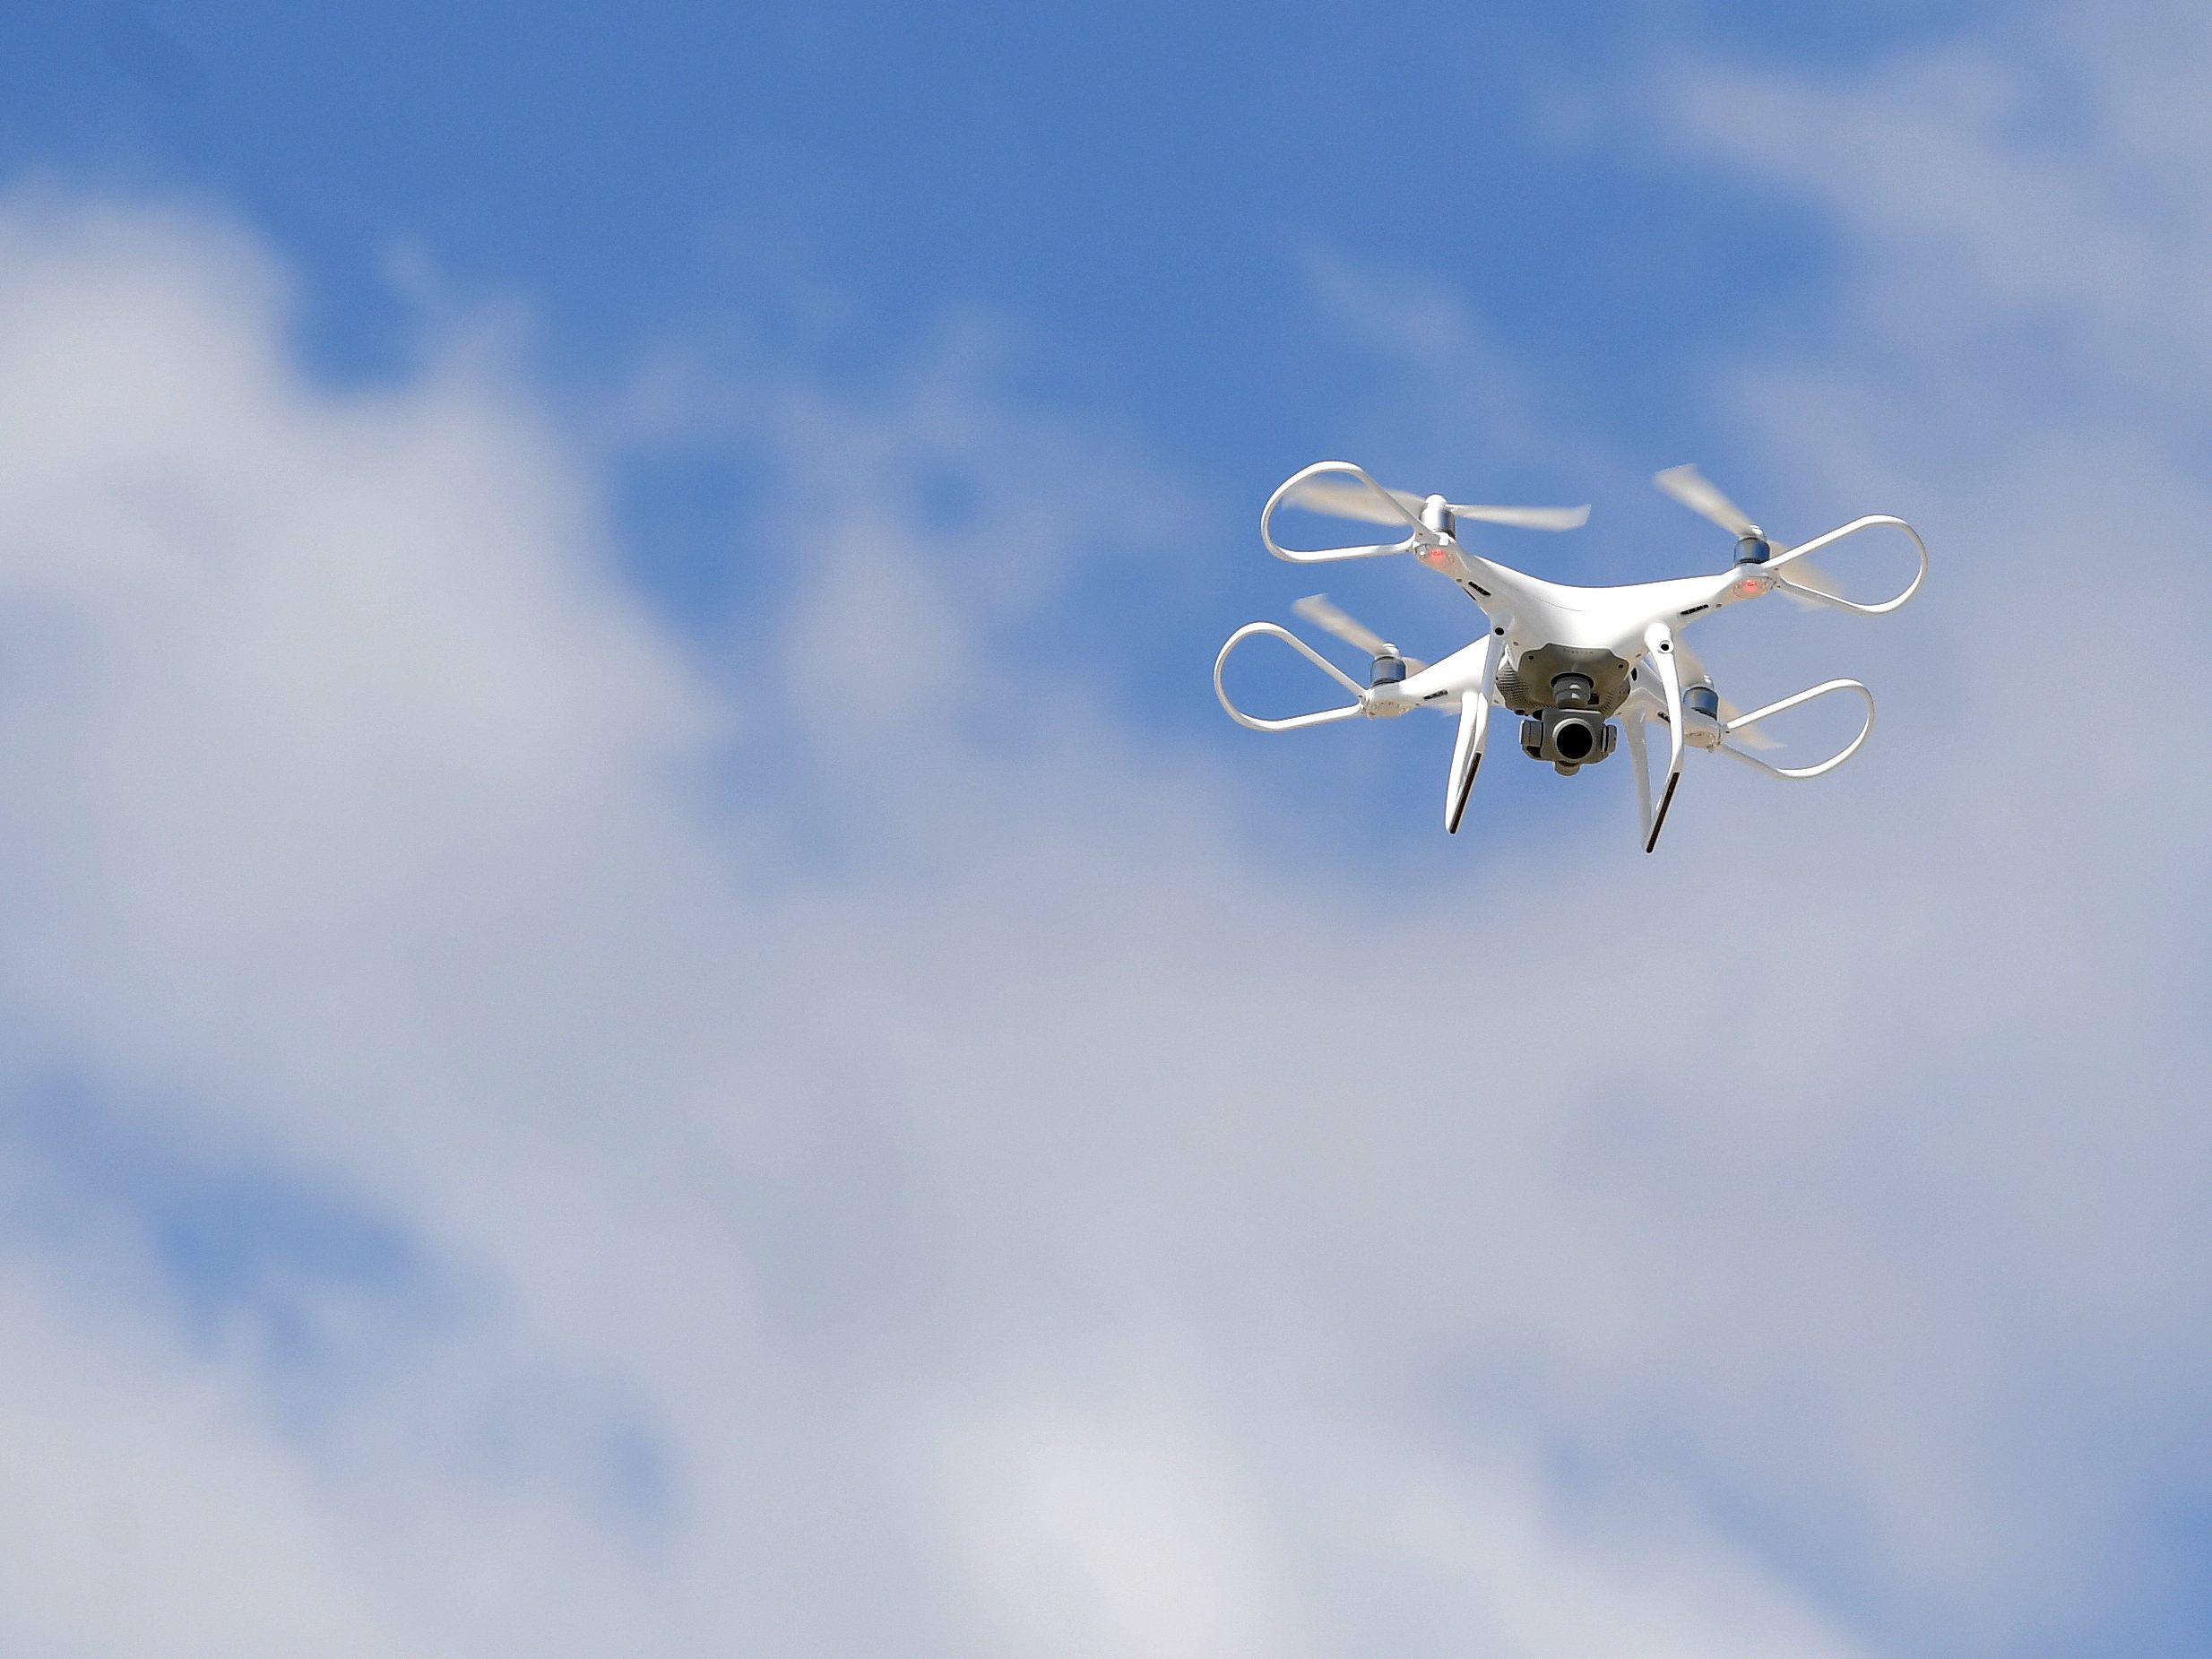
(1695,676)
(1702,496)
(1426,526)
(1373,504)
(1317,610)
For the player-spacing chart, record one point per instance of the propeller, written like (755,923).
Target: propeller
(1344,497)
(1703,497)
(1706,498)
(1694,672)
(1317,610)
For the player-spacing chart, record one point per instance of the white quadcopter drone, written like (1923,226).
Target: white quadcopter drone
(1566,660)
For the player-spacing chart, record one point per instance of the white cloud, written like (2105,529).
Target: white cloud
(144,1513)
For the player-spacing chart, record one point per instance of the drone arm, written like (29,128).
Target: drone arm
(1743,721)
(1779,565)
(1323,555)
(1659,652)
(1467,745)
(1357,707)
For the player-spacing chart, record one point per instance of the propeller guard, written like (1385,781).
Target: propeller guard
(1417,536)
(1320,717)
(1802,698)
(1778,565)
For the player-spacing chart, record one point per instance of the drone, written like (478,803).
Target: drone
(1568,661)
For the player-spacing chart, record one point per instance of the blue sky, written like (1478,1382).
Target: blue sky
(1132,194)
(645,1006)
(1072,171)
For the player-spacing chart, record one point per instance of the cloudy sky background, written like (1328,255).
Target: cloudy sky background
(644,1007)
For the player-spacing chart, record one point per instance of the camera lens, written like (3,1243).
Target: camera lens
(1573,739)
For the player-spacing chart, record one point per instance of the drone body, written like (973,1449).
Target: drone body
(1568,661)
